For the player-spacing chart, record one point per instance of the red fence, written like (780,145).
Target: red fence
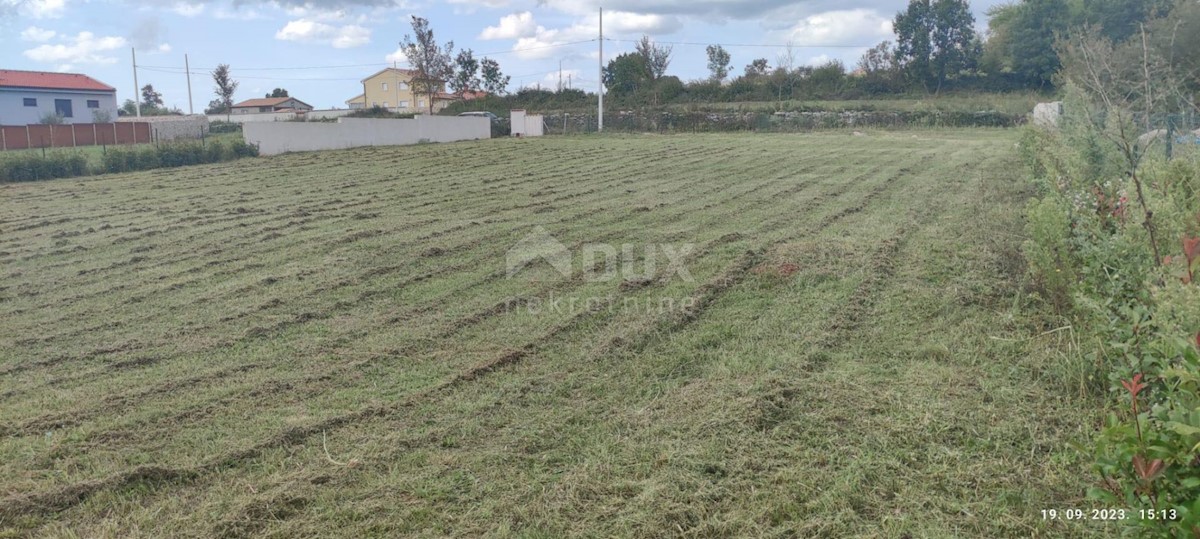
(20,137)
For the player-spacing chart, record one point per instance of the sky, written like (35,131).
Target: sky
(320,50)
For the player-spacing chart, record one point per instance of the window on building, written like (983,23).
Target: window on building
(421,103)
(403,85)
(385,104)
(385,86)
(93,103)
(30,101)
(404,104)
(62,107)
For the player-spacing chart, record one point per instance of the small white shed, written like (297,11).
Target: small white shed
(526,125)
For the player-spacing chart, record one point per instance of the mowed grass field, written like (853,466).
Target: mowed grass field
(330,344)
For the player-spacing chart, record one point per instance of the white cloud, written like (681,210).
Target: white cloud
(310,31)
(396,57)
(841,27)
(537,42)
(44,9)
(820,59)
(484,3)
(186,9)
(239,13)
(516,25)
(85,48)
(38,35)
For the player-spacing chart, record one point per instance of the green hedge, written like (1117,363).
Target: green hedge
(33,167)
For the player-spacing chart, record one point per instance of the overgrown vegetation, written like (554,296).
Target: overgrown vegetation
(379,112)
(1114,247)
(30,166)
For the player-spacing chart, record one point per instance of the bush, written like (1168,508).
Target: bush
(380,112)
(1092,258)
(218,127)
(32,167)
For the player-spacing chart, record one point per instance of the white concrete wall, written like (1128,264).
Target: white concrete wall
(278,116)
(535,125)
(279,137)
(166,128)
(14,112)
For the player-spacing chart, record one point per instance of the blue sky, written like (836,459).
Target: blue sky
(320,49)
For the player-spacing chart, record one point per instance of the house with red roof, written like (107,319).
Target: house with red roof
(29,97)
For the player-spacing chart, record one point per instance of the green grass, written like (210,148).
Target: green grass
(328,344)
(95,154)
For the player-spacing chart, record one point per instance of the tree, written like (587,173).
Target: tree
(150,98)
(935,39)
(877,59)
(494,82)
(758,68)
(626,74)
(278,92)
(1118,20)
(466,75)
(997,52)
(914,40)
(878,68)
(718,62)
(1032,32)
(785,71)
(432,63)
(224,86)
(215,107)
(953,39)
(1175,39)
(656,58)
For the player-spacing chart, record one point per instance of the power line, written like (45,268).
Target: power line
(763,45)
(375,64)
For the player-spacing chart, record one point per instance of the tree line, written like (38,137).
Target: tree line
(936,48)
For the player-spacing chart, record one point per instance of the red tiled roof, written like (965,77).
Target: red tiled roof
(261,102)
(56,81)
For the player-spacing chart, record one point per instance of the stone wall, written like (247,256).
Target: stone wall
(167,128)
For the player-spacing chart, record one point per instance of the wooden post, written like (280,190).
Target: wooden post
(28,139)
(95,137)
(73,143)
(3,143)
(114,124)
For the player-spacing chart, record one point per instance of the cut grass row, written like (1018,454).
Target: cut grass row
(371,370)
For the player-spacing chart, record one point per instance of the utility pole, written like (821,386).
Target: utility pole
(188,68)
(137,101)
(600,92)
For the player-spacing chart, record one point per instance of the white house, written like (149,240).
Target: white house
(26,97)
(271,104)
